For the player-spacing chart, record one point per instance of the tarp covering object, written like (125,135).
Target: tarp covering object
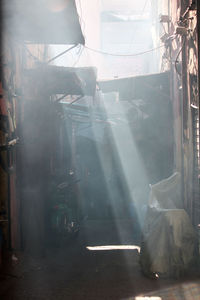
(166,193)
(169,242)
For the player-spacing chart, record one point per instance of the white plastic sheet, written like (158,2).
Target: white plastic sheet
(169,242)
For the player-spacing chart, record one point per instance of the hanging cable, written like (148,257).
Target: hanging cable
(133,34)
(82,22)
(192,6)
(33,56)
(65,95)
(59,99)
(77,99)
(176,60)
(123,55)
(144,6)
(79,56)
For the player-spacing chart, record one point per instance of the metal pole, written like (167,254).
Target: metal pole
(198,51)
(9,202)
(52,59)
(198,39)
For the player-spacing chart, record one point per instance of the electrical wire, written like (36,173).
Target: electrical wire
(123,55)
(144,6)
(77,99)
(62,53)
(190,7)
(82,22)
(134,33)
(33,56)
(176,60)
(163,26)
(59,99)
(52,59)
(79,56)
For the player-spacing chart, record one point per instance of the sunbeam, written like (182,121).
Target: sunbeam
(99,149)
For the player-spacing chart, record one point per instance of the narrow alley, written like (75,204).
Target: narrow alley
(100,149)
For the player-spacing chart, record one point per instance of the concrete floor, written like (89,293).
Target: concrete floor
(73,272)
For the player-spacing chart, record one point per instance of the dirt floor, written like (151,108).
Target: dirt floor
(73,272)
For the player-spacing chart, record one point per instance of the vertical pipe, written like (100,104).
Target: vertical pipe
(73,162)
(74,168)
(9,198)
(198,55)
(198,39)
(187,206)
(184,121)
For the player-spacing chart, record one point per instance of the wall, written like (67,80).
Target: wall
(180,57)
(15,58)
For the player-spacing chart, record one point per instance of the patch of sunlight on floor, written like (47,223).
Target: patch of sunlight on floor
(113,247)
(181,291)
(148,298)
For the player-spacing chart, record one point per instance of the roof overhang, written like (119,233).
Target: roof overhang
(139,87)
(43,21)
(62,80)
